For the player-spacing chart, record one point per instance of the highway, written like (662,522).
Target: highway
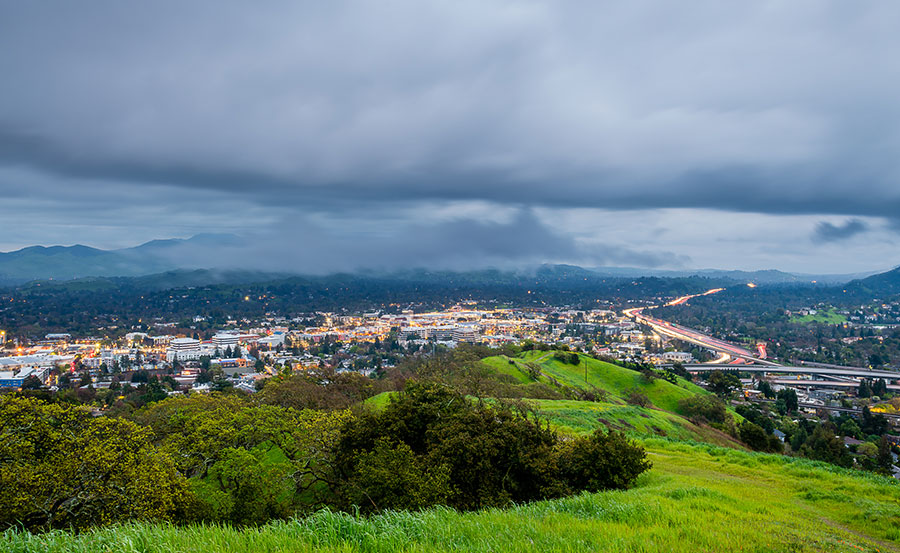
(801,383)
(773,368)
(751,363)
(690,335)
(825,408)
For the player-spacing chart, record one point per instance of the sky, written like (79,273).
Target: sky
(455,134)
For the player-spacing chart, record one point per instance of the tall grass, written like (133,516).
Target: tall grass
(697,498)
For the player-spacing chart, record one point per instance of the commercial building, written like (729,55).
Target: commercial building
(15,379)
(183,349)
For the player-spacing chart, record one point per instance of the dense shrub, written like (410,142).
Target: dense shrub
(248,463)
(756,438)
(703,408)
(432,445)
(601,461)
(322,389)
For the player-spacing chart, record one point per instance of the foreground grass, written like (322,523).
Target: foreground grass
(696,498)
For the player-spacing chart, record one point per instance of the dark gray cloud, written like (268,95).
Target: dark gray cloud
(299,109)
(466,243)
(828,232)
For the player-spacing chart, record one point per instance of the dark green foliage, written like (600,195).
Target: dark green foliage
(753,435)
(32,382)
(823,445)
(723,384)
(789,398)
(570,358)
(798,439)
(864,389)
(153,391)
(754,415)
(679,370)
(885,460)
(703,408)
(391,476)
(432,445)
(601,461)
(669,376)
(870,424)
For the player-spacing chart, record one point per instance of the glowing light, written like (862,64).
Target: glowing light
(751,285)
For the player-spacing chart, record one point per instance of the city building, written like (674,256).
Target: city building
(183,349)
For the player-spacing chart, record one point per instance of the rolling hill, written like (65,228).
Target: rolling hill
(881,285)
(78,261)
(612,385)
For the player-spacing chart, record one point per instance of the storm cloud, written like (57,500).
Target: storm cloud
(227,116)
(828,232)
(522,241)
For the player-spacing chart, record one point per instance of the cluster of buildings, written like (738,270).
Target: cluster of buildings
(289,343)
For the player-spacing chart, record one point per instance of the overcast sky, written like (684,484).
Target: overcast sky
(458,134)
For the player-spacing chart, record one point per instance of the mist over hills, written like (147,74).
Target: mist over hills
(176,263)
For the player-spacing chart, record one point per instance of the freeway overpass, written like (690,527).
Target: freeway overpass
(690,335)
(800,383)
(891,416)
(806,369)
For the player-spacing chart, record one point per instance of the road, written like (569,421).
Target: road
(751,363)
(690,335)
(806,369)
(801,383)
(825,408)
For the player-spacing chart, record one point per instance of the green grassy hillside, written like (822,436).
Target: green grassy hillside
(696,498)
(591,373)
(661,419)
(583,417)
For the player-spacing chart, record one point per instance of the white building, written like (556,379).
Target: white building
(226,339)
(183,349)
(465,333)
(272,341)
(679,356)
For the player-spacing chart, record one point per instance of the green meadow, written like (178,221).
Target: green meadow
(828,316)
(613,411)
(696,498)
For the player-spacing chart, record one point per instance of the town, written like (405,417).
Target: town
(178,359)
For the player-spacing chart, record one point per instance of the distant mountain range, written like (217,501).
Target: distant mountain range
(880,285)
(72,262)
(172,261)
(768,276)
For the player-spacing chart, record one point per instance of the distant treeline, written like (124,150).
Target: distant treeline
(83,305)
